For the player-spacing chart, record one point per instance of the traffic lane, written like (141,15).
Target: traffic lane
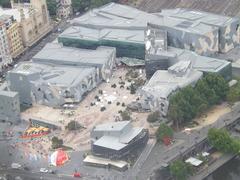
(27,175)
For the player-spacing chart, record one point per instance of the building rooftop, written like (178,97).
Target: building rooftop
(15,13)
(97,34)
(112,126)
(201,63)
(57,54)
(8,93)
(119,140)
(199,16)
(118,16)
(53,74)
(164,82)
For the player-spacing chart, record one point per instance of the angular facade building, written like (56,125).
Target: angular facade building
(128,42)
(51,85)
(9,106)
(117,139)
(60,75)
(228,35)
(159,56)
(201,32)
(103,58)
(155,93)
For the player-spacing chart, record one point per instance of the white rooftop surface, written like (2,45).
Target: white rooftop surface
(199,16)
(80,32)
(56,53)
(163,83)
(8,93)
(55,75)
(119,16)
(105,162)
(15,13)
(111,142)
(194,161)
(112,126)
(201,63)
(117,141)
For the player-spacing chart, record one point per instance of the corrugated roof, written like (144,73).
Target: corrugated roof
(112,126)
(8,93)
(89,33)
(58,54)
(116,16)
(199,16)
(163,82)
(66,76)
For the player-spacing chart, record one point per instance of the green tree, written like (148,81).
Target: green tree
(153,117)
(125,115)
(222,141)
(180,170)
(73,125)
(206,93)
(98,3)
(233,94)
(56,143)
(80,5)
(52,7)
(132,89)
(218,84)
(164,131)
(5,3)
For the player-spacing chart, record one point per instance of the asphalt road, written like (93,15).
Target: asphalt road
(30,52)
(11,174)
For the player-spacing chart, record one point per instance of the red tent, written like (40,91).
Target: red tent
(59,158)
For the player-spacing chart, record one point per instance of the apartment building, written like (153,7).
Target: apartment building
(5,55)
(13,35)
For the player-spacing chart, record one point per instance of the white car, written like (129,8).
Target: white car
(16,166)
(43,170)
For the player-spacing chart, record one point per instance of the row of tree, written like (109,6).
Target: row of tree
(180,170)
(222,141)
(78,5)
(192,101)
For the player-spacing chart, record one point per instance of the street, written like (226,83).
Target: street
(25,175)
(30,52)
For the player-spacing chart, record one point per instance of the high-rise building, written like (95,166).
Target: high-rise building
(13,35)
(33,17)
(5,56)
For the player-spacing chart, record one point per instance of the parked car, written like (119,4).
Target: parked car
(77,175)
(43,170)
(16,165)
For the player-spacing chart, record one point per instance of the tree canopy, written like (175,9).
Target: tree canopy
(83,5)
(73,125)
(180,170)
(164,131)
(52,7)
(153,117)
(56,143)
(222,141)
(192,101)
(5,3)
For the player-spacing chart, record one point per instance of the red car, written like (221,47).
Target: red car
(77,175)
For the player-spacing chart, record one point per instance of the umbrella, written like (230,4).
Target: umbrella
(59,158)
